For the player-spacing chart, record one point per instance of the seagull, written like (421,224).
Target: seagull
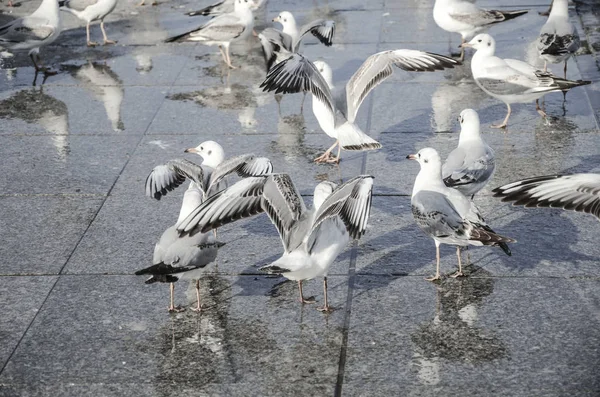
(214,168)
(464,17)
(290,37)
(336,117)
(558,39)
(223,29)
(222,7)
(446,214)
(576,192)
(89,11)
(182,257)
(312,238)
(470,166)
(511,80)
(32,32)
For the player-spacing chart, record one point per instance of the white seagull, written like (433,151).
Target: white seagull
(511,80)
(464,17)
(312,239)
(558,39)
(32,32)
(222,7)
(576,192)
(471,165)
(445,214)
(336,116)
(223,29)
(90,11)
(214,169)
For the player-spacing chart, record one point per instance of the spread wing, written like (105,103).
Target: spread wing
(276,45)
(297,74)
(245,165)
(378,67)
(350,201)
(166,177)
(322,29)
(577,192)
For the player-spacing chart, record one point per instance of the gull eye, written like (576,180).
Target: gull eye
(285,20)
(489,44)
(209,152)
(462,120)
(426,161)
(479,41)
(201,148)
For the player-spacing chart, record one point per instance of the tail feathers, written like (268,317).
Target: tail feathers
(62,3)
(353,138)
(161,278)
(179,37)
(274,269)
(568,84)
(512,14)
(487,236)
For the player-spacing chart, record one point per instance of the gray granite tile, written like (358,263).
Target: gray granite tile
(481,335)
(63,163)
(243,333)
(40,232)
(20,300)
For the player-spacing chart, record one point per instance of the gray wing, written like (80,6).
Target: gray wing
(214,9)
(275,45)
(322,29)
(378,67)
(577,192)
(166,177)
(436,215)
(245,165)
(225,27)
(557,44)
(463,169)
(297,74)
(79,5)
(350,201)
(479,18)
(26,29)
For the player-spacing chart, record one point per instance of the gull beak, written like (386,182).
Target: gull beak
(276,19)
(191,150)
(412,157)
(465,45)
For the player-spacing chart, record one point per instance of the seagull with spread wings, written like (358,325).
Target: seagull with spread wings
(337,114)
(312,238)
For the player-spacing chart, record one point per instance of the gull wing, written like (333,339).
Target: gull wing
(462,168)
(166,177)
(322,29)
(222,28)
(245,165)
(26,29)
(79,5)
(378,67)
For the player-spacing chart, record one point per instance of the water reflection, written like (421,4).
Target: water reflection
(106,86)
(453,333)
(35,107)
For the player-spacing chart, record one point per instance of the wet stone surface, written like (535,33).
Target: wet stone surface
(75,225)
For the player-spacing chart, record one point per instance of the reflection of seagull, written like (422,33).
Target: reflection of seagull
(312,239)
(336,115)
(511,80)
(558,38)
(34,106)
(445,214)
(471,165)
(107,87)
(32,32)
(577,192)
(464,17)
(89,11)
(223,29)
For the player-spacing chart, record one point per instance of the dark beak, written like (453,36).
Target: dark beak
(412,157)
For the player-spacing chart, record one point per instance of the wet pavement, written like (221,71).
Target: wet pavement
(77,147)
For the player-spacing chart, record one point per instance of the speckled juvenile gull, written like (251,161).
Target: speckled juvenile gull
(31,32)
(89,11)
(312,239)
(470,166)
(576,192)
(337,116)
(511,80)
(208,175)
(223,29)
(464,17)
(558,39)
(445,214)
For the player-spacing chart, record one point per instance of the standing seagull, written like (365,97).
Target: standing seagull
(511,80)
(336,116)
(577,192)
(223,29)
(558,39)
(32,32)
(446,214)
(89,11)
(182,257)
(312,239)
(464,17)
(471,165)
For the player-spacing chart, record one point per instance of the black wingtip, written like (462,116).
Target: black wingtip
(505,248)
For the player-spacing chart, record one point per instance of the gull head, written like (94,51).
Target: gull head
(482,42)
(428,158)
(286,19)
(325,71)
(322,191)
(211,152)
(469,124)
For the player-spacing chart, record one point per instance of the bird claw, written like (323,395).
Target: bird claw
(176,309)
(434,278)
(92,44)
(325,309)
(498,125)
(324,158)
(458,274)
(110,42)
(309,300)
(197,309)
